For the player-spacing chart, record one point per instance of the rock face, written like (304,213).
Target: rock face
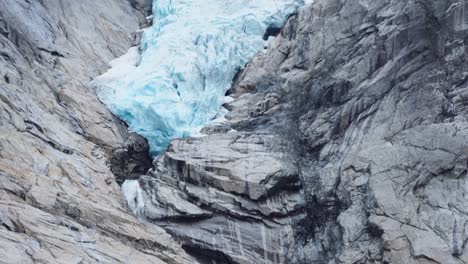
(350,145)
(229,197)
(59,201)
(347,142)
(130,160)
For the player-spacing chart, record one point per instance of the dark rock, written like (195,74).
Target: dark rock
(132,160)
(142,5)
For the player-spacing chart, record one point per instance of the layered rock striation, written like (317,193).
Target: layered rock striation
(347,143)
(59,201)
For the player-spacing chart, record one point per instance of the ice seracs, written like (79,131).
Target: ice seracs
(188,60)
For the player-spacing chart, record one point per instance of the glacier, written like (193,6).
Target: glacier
(175,82)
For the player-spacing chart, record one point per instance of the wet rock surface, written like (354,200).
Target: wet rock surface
(59,201)
(131,160)
(350,145)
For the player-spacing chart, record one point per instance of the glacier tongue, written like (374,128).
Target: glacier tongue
(188,60)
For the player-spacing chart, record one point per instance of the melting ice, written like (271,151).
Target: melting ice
(187,62)
(133,193)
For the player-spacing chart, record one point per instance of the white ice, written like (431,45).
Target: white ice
(133,193)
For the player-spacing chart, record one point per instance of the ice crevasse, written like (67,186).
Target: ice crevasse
(175,82)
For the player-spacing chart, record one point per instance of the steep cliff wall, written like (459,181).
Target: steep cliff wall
(350,145)
(59,202)
(347,142)
(376,93)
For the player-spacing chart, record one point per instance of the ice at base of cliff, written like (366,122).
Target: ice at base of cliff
(188,60)
(134,195)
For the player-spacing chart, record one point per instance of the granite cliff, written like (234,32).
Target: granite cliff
(347,142)
(59,200)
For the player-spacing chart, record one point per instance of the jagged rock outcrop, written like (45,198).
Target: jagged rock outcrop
(229,197)
(59,201)
(350,145)
(131,160)
(374,89)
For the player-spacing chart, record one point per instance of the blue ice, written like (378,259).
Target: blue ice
(176,81)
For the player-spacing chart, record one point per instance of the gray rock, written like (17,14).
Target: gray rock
(371,88)
(347,143)
(59,201)
(361,106)
(229,197)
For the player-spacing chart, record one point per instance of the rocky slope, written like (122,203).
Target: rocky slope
(350,145)
(59,201)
